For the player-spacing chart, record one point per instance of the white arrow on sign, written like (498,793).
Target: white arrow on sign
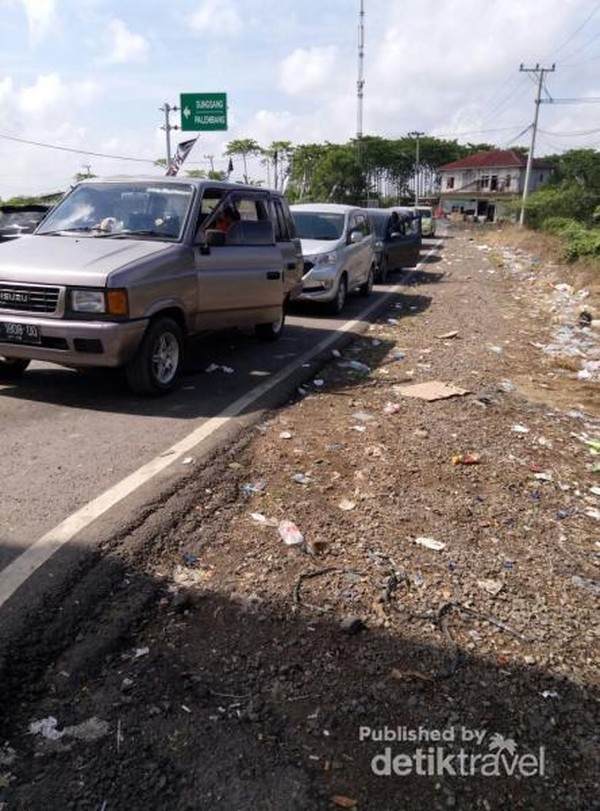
(187,112)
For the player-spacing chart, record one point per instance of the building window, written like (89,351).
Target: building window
(484,181)
(494,183)
(449,182)
(507,184)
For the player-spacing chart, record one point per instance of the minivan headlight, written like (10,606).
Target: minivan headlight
(321,259)
(88,301)
(112,302)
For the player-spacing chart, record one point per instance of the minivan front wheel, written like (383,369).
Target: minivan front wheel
(158,362)
(12,368)
(272,330)
(337,305)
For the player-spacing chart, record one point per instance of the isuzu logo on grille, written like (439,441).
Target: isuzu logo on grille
(14,297)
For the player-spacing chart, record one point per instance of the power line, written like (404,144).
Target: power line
(540,73)
(576,31)
(75,151)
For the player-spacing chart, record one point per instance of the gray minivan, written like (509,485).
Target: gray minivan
(123,270)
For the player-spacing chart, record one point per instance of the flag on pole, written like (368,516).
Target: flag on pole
(183,150)
(230,167)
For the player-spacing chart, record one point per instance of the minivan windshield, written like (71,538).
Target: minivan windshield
(317,225)
(127,209)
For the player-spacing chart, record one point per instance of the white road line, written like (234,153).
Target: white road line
(16,573)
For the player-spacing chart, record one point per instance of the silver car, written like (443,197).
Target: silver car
(122,271)
(338,249)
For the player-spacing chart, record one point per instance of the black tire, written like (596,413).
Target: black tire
(272,330)
(337,305)
(384,269)
(158,362)
(367,288)
(12,368)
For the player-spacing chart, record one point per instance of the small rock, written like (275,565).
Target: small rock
(352,625)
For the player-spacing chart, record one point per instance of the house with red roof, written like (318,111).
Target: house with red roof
(478,185)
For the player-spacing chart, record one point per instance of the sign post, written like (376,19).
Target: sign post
(203,112)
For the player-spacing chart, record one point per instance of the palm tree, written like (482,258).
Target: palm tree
(243,147)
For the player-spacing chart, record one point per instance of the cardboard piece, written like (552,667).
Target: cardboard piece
(433,390)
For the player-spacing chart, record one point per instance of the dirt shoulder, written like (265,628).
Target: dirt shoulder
(431,642)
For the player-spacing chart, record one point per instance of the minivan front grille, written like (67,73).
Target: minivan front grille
(29,298)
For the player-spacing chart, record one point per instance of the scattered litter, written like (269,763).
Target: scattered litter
(434,390)
(301,391)
(466,459)
(392,321)
(360,428)
(352,625)
(214,367)
(430,543)
(566,513)
(593,513)
(355,366)
(342,801)
(285,435)
(259,518)
(549,694)
(289,533)
(362,416)
(492,587)
(235,465)
(392,408)
(544,476)
(190,559)
(375,342)
(497,349)
(185,708)
(586,583)
(256,487)
(318,382)
(346,505)
(397,355)
(520,429)
(506,385)
(139,652)
(46,727)
(301,478)
(91,730)
(336,353)
(595,491)
(189,460)
(448,335)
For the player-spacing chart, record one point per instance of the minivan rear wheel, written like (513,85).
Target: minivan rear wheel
(12,368)
(272,330)
(158,362)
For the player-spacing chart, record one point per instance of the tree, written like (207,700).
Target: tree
(278,155)
(244,147)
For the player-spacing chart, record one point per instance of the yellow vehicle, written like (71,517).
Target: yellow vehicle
(427,220)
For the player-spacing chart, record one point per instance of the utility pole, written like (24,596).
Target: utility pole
(360,83)
(88,168)
(416,135)
(540,72)
(167,109)
(211,160)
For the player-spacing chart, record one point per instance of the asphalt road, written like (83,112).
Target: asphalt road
(68,436)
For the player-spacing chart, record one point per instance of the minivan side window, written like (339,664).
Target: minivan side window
(282,232)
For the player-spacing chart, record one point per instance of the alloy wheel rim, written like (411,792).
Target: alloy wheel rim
(165,359)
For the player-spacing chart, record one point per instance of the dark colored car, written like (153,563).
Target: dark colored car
(17,220)
(397,239)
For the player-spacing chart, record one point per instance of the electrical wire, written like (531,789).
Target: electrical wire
(75,151)
(575,32)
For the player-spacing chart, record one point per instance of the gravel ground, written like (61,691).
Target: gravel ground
(429,641)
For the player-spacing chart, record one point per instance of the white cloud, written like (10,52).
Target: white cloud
(307,69)
(6,90)
(50,99)
(217,18)
(48,92)
(124,47)
(40,16)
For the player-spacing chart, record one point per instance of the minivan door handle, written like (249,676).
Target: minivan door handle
(291,266)
(273,274)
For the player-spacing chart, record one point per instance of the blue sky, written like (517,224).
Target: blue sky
(91,75)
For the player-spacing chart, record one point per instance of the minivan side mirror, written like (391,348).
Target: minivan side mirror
(356,236)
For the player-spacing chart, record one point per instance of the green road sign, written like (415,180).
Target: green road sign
(203,111)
